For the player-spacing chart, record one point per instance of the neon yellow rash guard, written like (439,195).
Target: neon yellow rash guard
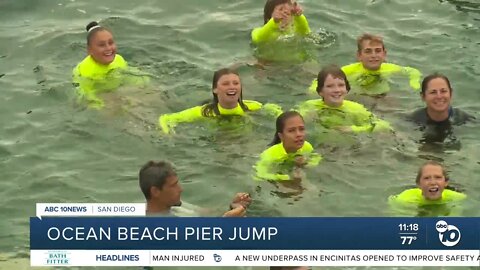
(374,82)
(275,157)
(414,196)
(167,122)
(93,78)
(350,113)
(271,31)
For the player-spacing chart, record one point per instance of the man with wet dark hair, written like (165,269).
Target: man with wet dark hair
(162,190)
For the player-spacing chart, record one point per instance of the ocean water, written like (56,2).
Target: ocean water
(52,150)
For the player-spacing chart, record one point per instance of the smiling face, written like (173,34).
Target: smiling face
(293,134)
(372,54)
(333,91)
(437,95)
(102,47)
(228,90)
(432,182)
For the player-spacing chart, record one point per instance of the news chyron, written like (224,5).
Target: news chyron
(121,235)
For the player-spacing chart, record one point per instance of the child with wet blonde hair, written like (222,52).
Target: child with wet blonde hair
(432,180)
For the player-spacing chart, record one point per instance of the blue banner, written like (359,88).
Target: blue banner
(160,233)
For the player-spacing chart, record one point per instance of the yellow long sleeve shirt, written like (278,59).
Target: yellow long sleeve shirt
(275,162)
(271,30)
(350,113)
(167,122)
(93,78)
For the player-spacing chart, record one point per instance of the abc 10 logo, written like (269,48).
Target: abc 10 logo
(449,235)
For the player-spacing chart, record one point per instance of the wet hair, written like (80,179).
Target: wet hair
(270,6)
(211,109)
(333,70)
(154,174)
(371,38)
(91,33)
(433,163)
(430,77)
(280,125)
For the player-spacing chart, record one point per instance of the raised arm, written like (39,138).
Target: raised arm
(265,33)
(301,25)
(167,122)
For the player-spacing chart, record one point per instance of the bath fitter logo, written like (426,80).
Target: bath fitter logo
(58,257)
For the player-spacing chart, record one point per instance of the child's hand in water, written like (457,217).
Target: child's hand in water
(300,161)
(297,174)
(242,199)
(238,207)
(297,10)
(239,211)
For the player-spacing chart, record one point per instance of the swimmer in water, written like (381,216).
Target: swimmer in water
(99,71)
(160,185)
(438,117)
(227,101)
(332,111)
(288,152)
(370,74)
(281,17)
(282,38)
(431,180)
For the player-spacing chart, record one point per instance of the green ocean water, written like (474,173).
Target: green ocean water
(52,150)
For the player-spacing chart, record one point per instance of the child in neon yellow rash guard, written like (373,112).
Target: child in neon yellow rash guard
(281,38)
(332,111)
(431,180)
(288,150)
(101,71)
(227,100)
(371,73)
(281,17)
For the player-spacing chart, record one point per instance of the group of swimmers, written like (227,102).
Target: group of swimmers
(104,70)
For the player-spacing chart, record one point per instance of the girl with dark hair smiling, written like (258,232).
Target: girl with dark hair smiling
(227,100)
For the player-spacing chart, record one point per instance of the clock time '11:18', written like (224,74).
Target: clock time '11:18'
(405,227)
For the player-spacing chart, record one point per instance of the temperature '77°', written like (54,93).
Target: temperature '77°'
(407,240)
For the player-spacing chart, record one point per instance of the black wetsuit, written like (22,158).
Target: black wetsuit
(438,131)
